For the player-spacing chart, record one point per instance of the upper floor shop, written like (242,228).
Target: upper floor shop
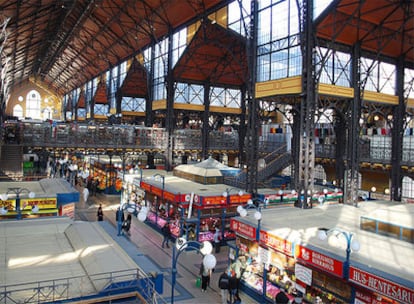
(374,143)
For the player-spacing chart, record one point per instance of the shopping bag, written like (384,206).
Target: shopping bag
(198,282)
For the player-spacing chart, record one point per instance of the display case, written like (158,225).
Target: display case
(255,282)
(160,222)
(212,218)
(265,266)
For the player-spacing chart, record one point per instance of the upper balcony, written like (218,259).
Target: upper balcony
(373,148)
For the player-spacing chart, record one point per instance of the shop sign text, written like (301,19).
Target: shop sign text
(320,260)
(243,229)
(382,286)
(213,200)
(276,242)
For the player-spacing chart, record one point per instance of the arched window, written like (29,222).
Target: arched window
(18,111)
(320,173)
(33,105)
(47,113)
(407,187)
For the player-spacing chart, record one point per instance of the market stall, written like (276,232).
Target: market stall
(192,209)
(103,171)
(285,251)
(47,197)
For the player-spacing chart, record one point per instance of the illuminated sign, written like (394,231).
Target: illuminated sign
(213,200)
(275,242)
(29,203)
(42,203)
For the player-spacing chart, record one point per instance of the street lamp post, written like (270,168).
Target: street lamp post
(17,191)
(205,248)
(351,243)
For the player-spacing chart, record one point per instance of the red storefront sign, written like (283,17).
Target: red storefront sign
(238,199)
(212,200)
(145,186)
(243,229)
(168,196)
(320,261)
(381,285)
(221,200)
(275,242)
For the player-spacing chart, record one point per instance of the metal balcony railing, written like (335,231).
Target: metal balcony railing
(372,148)
(115,285)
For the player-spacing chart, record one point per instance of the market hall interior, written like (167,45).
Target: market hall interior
(317,111)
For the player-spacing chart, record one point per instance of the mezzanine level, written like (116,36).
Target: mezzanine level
(102,138)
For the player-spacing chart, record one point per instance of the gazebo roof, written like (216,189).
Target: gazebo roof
(207,168)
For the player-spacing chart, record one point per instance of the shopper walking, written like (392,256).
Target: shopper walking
(100,213)
(205,277)
(166,233)
(223,284)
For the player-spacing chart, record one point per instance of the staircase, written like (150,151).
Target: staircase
(11,161)
(275,161)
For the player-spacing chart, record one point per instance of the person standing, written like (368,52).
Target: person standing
(85,195)
(223,284)
(232,285)
(166,233)
(237,267)
(100,213)
(119,217)
(216,239)
(94,186)
(205,277)
(126,225)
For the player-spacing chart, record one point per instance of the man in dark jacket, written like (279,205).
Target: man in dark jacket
(223,284)
(166,232)
(232,285)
